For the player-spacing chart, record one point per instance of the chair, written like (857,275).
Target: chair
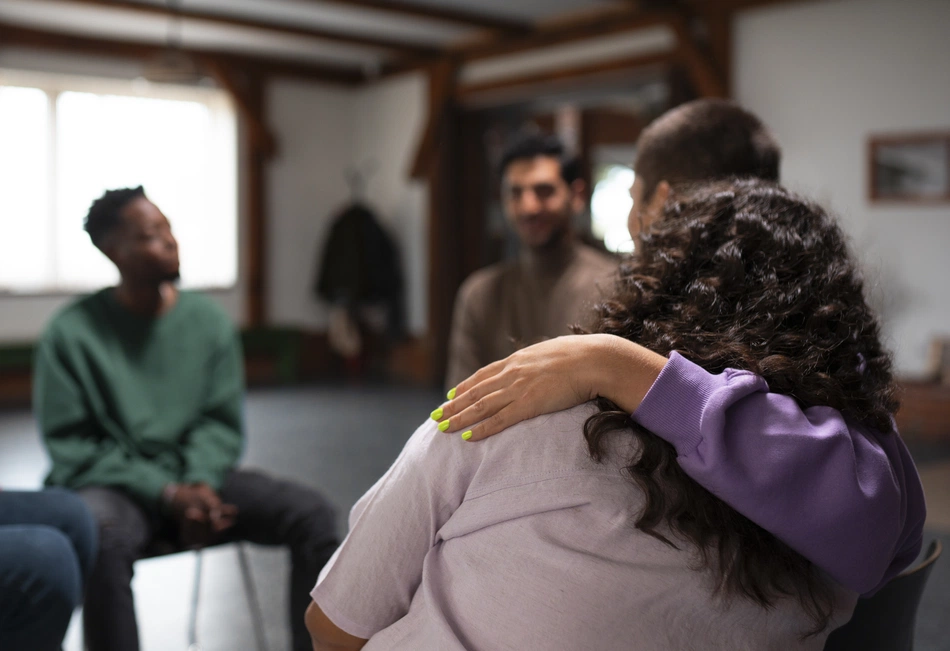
(885,621)
(163,547)
(250,593)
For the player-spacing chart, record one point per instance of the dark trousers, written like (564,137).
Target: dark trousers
(270,512)
(47,548)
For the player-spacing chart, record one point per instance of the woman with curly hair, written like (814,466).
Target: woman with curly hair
(579,529)
(843,494)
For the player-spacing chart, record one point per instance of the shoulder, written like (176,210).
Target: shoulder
(203,310)
(76,316)
(549,447)
(597,260)
(482,283)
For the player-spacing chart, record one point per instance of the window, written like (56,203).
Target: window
(65,140)
(610,205)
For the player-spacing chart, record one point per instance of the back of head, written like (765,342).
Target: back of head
(742,274)
(105,213)
(528,145)
(705,140)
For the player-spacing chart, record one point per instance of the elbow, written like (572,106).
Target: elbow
(326,636)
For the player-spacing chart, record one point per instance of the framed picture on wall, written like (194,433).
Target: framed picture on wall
(911,168)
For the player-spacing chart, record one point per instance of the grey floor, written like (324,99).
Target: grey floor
(339,440)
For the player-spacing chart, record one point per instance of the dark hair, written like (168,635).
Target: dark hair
(742,274)
(705,140)
(532,144)
(105,213)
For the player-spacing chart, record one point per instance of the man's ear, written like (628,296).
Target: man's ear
(660,195)
(578,196)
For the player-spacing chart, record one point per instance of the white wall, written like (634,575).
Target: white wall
(827,75)
(323,130)
(391,118)
(313,124)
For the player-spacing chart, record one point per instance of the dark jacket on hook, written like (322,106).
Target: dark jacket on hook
(361,266)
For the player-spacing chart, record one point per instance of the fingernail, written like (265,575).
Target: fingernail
(451,394)
(436,414)
(444,425)
(467,435)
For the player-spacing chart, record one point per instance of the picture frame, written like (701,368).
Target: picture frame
(909,168)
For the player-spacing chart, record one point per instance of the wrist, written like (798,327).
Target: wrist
(168,495)
(626,371)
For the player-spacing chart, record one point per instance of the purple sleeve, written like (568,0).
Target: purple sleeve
(846,498)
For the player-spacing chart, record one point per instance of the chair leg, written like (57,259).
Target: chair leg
(193,615)
(253,604)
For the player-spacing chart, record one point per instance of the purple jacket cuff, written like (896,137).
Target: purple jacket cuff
(673,407)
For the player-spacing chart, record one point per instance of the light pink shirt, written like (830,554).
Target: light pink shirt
(523,542)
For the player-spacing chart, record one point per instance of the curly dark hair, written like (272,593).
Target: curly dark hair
(742,274)
(105,213)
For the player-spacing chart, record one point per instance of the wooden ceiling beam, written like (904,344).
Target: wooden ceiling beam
(458,16)
(604,24)
(474,92)
(705,76)
(231,20)
(14,35)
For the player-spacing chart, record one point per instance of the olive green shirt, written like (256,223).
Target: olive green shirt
(136,403)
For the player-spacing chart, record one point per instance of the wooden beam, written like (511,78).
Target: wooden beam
(442,80)
(459,16)
(603,24)
(12,35)
(705,77)
(231,20)
(719,30)
(256,244)
(599,25)
(611,67)
(249,106)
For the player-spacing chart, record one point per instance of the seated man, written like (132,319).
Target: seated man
(47,547)
(138,394)
(553,282)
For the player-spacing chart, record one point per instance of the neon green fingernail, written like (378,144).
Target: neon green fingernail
(436,414)
(444,425)
(451,394)
(467,435)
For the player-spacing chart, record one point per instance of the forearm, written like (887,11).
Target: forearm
(327,636)
(848,500)
(619,370)
(212,449)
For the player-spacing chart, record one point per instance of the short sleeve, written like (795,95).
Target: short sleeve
(370,582)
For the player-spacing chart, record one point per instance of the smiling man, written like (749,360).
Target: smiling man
(554,279)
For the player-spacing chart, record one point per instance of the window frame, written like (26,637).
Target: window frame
(55,83)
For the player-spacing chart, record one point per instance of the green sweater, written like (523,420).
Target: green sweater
(136,403)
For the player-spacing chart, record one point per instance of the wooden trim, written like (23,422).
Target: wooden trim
(904,139)
(719,29)
(434,12)
(11,35)
(256,246)
(261,136)
(442,80)
(527,83)
(706,79)
(231,20)
(602,24)
(599,25)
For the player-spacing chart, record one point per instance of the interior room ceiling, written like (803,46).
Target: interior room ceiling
(356,35)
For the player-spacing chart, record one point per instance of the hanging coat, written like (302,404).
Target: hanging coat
(361,266)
